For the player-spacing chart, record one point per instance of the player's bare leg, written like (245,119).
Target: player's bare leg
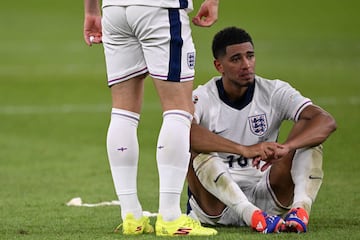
(128,95)
(281,180)
(175,95)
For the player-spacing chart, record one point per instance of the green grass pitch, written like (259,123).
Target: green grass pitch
(54,113)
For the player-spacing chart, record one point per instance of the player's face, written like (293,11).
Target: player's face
(238,65)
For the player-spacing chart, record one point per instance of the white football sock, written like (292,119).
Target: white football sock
(216,179)
(172,160)
(123,153)
(307,175)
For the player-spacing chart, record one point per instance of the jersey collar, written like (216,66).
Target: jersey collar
(240,103)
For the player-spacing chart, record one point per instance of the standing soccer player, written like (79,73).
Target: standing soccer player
(142,37)
(237,120)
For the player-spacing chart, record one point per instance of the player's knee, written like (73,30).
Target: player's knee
(200,160)
(206,163)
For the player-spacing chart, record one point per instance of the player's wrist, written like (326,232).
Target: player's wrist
(290,146)
(241,149)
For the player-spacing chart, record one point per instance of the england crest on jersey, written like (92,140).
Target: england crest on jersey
(191,60)
(258,124)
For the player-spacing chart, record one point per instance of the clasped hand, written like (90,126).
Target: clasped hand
(270,152)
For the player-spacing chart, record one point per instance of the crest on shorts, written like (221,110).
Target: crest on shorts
(258,124)
(191,60)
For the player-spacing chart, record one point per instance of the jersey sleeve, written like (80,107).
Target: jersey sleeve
(288,101)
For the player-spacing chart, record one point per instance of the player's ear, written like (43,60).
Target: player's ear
(218,66)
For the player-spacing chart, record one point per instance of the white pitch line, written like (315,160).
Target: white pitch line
(94,108)
(331,101)
(62,109)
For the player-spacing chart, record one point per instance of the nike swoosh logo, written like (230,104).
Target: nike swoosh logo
(217,178)
(219,132)
(314,177)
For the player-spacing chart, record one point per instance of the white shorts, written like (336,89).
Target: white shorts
(142,39)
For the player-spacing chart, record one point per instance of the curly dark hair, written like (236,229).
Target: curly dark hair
(228,36)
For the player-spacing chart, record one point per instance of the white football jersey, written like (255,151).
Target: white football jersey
(257,118)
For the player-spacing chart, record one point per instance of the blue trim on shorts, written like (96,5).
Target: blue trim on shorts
(176,44)
(183,4)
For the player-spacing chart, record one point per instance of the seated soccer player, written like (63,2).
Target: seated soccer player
(239,175)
